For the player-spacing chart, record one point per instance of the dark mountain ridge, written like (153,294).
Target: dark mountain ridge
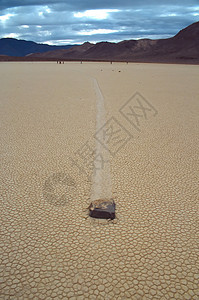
(14,47)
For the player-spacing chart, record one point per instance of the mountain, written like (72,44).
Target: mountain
(14,47)
(76,52)
(183,47)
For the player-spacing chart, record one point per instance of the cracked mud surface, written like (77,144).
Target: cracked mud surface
(49,250)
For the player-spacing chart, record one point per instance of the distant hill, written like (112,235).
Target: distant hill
(183,47)
(14,47)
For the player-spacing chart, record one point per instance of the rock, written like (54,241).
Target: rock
(102,209)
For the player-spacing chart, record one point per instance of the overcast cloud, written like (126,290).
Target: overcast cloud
(76,21)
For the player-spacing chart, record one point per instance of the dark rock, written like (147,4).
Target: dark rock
(102,209)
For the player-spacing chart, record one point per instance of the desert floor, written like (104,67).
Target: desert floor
(74,132)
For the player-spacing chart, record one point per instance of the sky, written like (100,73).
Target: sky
(62,22)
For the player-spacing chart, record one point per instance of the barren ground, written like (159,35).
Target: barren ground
(51,118)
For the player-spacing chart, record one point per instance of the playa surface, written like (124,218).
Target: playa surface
(74,132)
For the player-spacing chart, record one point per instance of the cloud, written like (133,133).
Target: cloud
(5,17)
(75,21)
(96,31)
(11,35)
(99,14)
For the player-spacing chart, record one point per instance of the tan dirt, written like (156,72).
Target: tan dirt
(49,249)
